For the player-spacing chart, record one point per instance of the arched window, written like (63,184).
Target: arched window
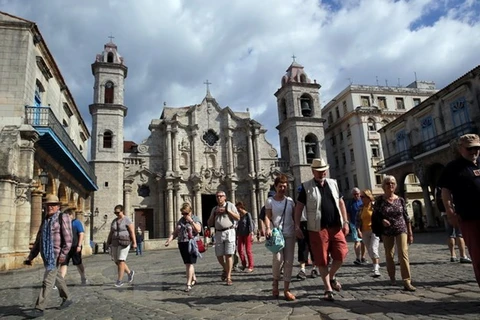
(109,92)
(110,57)
(107,139)
(371,125)
(282,110)
(310,147)
(38,93)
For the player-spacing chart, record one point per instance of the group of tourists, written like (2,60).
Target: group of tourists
(318,219)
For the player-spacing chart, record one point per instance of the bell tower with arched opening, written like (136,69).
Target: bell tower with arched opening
(300,121)
(108,112)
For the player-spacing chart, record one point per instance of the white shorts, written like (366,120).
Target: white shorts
(120,253)
(225,242)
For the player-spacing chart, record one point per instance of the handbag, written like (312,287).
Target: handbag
(201,246)
(276,242)
(123,240)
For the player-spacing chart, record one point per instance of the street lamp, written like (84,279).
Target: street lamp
(43,178)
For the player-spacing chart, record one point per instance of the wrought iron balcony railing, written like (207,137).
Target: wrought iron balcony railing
(430,144)
(43,117)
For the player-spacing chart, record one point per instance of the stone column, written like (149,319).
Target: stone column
(126,201)
(194,159)
(170,218)
(35,214)
(169,149)
(175,153)
(251,165)
(253,201)
(198,203)
(428,206)
(256,152)
(178,203)
(229,153)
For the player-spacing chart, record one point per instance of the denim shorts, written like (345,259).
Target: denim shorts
(451,231)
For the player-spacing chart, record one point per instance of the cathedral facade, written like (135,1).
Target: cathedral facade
(195,150)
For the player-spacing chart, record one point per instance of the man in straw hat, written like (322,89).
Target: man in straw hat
(327,223)
(53,242)
(460,183)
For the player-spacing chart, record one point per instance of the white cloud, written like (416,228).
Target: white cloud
(244,47)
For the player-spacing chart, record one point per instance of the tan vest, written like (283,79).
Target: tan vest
(314,202)
(224,221)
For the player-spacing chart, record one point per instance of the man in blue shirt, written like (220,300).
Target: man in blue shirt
(75,253)
(353,208)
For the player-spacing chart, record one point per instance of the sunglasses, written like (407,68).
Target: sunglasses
(473,149)
(117,212)
(184,212)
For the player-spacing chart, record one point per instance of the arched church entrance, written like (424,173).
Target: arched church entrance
(419,219)
(208,202)
(144,221)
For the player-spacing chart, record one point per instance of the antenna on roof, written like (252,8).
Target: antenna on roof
(398,84)
(350,80)
(386,82)
(415,73)
(376,79)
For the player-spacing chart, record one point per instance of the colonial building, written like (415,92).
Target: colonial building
(354,148)
(43,140)
(420,141)
(193,151)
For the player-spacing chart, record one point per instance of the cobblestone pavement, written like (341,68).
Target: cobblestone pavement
(445,290)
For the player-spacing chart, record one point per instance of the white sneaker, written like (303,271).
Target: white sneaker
(376,273)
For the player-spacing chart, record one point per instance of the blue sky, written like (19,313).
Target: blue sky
(243,47)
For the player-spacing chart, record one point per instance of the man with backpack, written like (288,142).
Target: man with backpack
(224,217)
(75,253)
(53,242)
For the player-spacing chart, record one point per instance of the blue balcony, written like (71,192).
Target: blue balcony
(57,143)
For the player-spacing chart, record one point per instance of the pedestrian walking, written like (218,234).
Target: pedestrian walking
(139,238)
(390,220)
(279,213)
(120,238)
(460,183)
(245,234)
(364,230)
(187,229)
(353,208)
(53,242)
(327,224)
(75,253)
(223,217)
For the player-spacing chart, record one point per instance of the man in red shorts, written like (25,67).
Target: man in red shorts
(460,183)
(327,223)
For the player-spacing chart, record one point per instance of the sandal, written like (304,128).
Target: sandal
(289,296)
(224,276)
(335,284)
(194,282)
(188,288)
(328,296)
(229,282)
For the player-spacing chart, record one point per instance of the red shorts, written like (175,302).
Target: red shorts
(325,241)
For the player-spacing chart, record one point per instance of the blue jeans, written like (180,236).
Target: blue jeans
(139,248)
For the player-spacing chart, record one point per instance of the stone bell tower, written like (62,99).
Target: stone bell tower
(300,121)
(108,112)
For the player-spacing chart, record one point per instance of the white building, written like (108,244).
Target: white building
(354,117)
(420,142)
(43,140)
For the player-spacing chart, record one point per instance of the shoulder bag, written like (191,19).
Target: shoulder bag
(123,240)
(276,242)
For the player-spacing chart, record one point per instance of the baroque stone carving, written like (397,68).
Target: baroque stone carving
(142,148)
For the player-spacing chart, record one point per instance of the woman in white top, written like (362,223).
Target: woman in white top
(279,211)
